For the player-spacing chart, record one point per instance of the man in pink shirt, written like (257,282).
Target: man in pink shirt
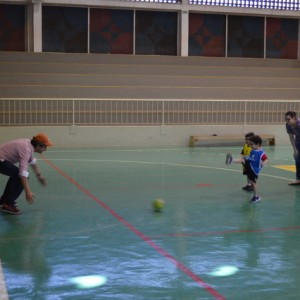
(15,158)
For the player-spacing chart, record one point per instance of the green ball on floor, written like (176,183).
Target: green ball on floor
(158,205)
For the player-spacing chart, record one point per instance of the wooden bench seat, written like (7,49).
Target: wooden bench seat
(195,138)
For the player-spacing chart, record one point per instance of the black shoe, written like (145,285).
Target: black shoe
(255,199)
(248,188)
(228,159)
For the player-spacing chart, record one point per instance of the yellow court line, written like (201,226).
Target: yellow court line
(144,75)
(143,86)
(178,66)
(290,168)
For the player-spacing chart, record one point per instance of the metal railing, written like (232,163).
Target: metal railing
(140,112)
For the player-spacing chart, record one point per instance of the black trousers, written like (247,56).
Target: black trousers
(14,187)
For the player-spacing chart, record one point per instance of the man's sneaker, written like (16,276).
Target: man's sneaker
(248,188)
(10,209)
(228,160)
(2,203)
(255,199)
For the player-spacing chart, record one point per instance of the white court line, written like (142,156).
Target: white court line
(63,150)
(3,290)
(165,164)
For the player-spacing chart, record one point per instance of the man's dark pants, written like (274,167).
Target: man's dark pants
(14,187)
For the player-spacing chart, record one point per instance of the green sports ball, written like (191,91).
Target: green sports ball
(158,204)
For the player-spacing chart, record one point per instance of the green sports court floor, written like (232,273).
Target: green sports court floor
(94,222)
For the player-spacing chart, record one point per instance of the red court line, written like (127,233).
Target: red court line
(226,232)
(163,252)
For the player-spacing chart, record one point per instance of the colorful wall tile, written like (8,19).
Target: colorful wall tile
(111,31)
(282,38)
(156,33)
(207,35)
(245,36)
(12,27)
(65,29)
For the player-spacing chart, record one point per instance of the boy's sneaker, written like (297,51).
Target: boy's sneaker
(10,209)
(228,160)
(255,199)
(248,188)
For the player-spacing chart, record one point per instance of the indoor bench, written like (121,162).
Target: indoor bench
(270,138)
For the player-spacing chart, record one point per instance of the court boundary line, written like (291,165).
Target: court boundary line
(183,149)
(145,238)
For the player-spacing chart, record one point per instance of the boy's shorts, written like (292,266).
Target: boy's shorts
(249,172)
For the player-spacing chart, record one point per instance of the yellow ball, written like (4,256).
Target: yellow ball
(158,204)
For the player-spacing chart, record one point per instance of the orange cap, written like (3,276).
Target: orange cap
(43,139)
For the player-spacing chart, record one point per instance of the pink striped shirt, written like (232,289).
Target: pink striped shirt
(18,151)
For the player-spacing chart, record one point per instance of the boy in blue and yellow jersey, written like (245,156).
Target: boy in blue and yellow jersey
(245,154)
(253,164)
